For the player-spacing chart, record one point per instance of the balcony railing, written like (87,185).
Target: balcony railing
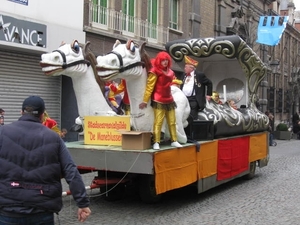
(111,20)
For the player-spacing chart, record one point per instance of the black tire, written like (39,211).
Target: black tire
(251,173)
(113,193)
(147,190)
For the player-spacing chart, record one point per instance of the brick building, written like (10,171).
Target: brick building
(158,22)
(155,21)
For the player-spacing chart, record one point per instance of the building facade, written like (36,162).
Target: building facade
(158,22)
(155,22)
(29,28)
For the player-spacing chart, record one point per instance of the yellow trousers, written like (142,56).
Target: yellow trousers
(159,115)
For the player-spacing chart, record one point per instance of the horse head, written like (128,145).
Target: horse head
(71,60)
(79,63)
(64,59)
(125,61)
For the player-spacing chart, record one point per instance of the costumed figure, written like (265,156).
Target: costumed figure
(125,100)
(232,104)
(158,88)
(111,89)
(216,97)
(195,85)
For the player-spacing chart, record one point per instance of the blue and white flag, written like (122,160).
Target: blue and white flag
(270,29)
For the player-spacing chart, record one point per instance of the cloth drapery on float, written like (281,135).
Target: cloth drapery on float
(270,29)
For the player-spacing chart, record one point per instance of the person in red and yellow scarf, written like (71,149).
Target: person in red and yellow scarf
(158,88)
(50,123)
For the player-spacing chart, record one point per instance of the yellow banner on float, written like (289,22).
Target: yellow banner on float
(103,130)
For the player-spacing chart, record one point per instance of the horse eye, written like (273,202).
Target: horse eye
(76,47)
(132,47)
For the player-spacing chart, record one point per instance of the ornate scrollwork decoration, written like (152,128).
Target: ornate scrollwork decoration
(240,121)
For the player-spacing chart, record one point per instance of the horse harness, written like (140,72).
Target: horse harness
(65,65)
(130,66)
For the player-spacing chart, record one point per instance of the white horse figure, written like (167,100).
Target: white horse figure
(71,60)
(130,63)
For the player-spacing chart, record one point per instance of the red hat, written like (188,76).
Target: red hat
(190,61)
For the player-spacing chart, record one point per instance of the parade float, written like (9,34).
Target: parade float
(227,143)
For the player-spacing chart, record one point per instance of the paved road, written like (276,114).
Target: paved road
(272,197)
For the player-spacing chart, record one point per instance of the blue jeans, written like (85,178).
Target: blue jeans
(34,219)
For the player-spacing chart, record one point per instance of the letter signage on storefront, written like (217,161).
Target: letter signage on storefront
(22,31)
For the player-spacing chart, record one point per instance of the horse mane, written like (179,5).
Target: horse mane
(145,58)
(89,56)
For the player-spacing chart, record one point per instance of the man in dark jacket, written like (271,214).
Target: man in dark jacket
(296,128)
(295,117)
(195,85)
(33,159)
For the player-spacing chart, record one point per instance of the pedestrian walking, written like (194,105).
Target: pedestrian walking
(2,112)
(33,161)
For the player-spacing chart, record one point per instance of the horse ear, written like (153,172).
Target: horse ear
(116,43)
(128,44)
(85,48)
(87,45)
(142,47)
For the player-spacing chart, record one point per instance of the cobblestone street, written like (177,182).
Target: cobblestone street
(270,198)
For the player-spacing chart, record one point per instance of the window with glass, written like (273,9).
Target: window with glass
(152,18)
(99,11)
(128,15)
(173,14)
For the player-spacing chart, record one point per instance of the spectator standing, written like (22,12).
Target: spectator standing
(1,120)
(271,128)
(295,118)
(33,160)
(296,128)
(50,123)
(2,112)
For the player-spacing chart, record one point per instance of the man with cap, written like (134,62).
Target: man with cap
(195,85)
(33,159)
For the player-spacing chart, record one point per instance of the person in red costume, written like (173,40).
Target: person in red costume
(158,88)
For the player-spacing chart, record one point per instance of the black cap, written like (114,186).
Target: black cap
(34,105)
